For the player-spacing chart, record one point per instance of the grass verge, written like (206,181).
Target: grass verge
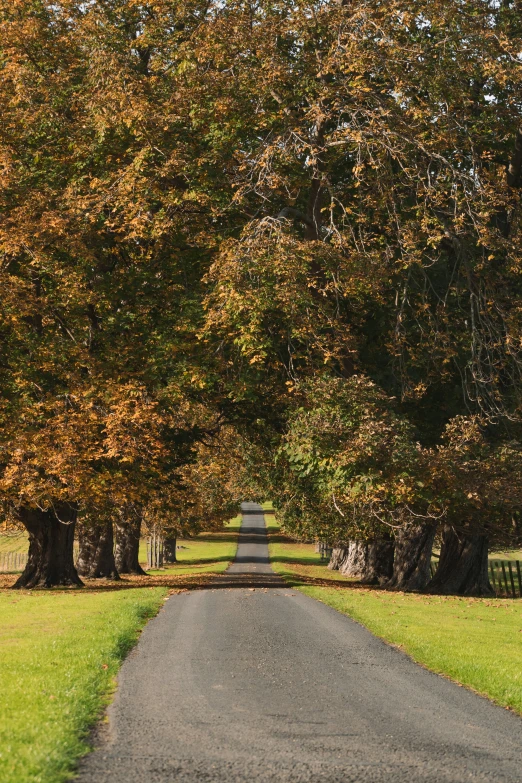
(59,654)
(475,641)
(298,562)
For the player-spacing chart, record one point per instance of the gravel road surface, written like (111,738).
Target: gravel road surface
(252,681)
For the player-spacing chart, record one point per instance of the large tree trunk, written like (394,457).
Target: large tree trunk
(338,556)
(354,563)
(169,549)
(411,565)
(127,546)
(463,566)
(371,561)
(379,562)
(96,556)
(50,561)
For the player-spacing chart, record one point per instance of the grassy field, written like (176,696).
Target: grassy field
(513,554)
(16,541)
(205,553)
(474,641)
(59,653)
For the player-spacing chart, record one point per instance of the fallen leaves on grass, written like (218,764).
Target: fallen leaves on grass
(127,582)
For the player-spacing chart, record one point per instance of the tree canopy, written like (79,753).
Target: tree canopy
(286,232)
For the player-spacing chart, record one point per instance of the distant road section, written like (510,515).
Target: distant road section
(250,680)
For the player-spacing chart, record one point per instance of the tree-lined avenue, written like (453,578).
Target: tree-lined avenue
(250,680)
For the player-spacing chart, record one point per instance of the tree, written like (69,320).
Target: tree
(101,265)
(369,479)
(478,481)
(213,213)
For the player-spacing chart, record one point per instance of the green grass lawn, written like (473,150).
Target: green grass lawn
(59,654)
(15,541)
(475,641)
(297,561)
(205,553)
(513,554)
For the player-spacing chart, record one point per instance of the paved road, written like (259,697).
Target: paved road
(252,681)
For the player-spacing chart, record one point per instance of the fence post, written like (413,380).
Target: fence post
(519,579)
(513,593)
(494,581)
(505,576)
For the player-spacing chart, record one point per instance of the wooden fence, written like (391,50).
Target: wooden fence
(505,577)
(12,561)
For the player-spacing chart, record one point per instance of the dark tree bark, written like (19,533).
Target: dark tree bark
(371,561)
(169,549)
(411,565)
(127,546)
(96,556)
(354,563)
(338,556)
(463,566)
(50,561)
(379,562)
